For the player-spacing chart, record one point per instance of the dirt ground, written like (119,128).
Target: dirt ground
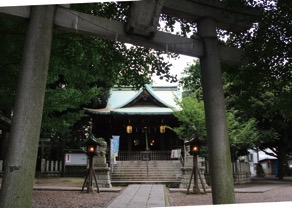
(71,199)
(76,199)
(274,195)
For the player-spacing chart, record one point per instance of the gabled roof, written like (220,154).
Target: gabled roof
(151,100)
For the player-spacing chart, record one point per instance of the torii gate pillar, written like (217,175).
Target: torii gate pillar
(28,109)
(218,144)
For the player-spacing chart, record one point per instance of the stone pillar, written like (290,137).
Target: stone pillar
(43,166)
(19,171)
(218,144)
(102,171)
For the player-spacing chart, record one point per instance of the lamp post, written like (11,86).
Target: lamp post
(91,146)
(195,146)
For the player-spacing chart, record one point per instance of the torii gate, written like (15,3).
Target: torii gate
(141,30)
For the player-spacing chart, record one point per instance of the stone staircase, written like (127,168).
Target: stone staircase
(166,172)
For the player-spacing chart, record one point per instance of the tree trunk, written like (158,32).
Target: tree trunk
(281,161)
(19,171)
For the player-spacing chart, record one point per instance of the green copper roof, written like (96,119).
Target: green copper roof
(152,100)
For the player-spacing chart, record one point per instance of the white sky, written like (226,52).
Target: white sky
(177,68)
(179,64)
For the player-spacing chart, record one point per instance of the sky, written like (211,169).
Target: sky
(177,68)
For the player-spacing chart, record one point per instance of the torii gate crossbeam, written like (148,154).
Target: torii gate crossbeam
(81,23)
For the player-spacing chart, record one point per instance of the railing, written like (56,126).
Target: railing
(47,167)
(237,167)
(145,155)
(241,167)
(1,166)
(51,167)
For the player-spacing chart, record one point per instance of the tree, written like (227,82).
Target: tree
(82,69)
(191,81)
(243,132)
(11,43)
(191,118)
(261,89)
(273,125)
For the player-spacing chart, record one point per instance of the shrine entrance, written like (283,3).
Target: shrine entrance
(143,122)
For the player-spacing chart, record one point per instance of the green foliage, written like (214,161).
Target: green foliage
(268,45)
(191,118)
(285,102)
(262,89)
(138,64)
(191,81)
(10,58)
(82,69)
(242,131)
(243,135)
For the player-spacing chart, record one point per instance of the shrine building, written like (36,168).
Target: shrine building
(141,118)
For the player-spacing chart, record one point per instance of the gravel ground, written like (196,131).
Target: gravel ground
(274,195)
(76,199)
(71,199)
(68,199)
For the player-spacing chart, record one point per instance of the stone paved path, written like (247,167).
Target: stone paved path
(140,195)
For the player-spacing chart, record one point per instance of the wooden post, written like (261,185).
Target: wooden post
(89,178)
(196,188)
(19,172)
(218,144)
(89,185)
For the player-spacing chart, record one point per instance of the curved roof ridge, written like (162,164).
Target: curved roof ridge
(130,100)
(151,92)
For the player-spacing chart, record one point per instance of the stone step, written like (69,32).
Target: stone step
(141,170)
(144,175)
(144,168)
(167,183)
(154,163)
(145,165)
(159,172)
(145,181)
(149,167)
(163,172)
(144,178)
